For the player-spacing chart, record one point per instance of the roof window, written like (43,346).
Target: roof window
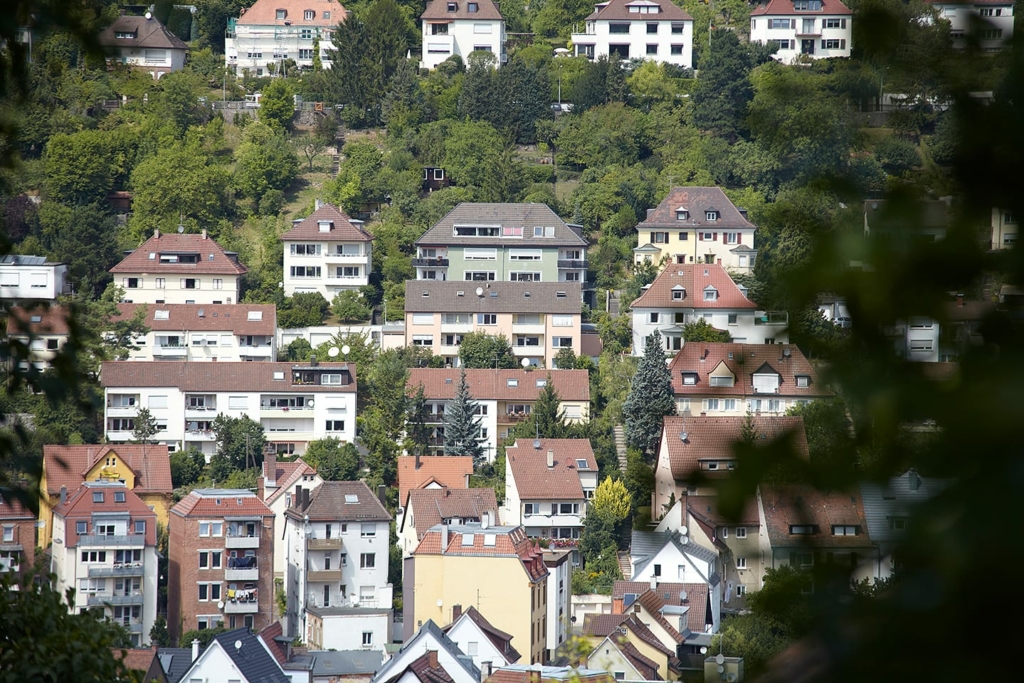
(510,382)
(453,7)
(711,215)
(281,14)
(582,464)
(351,498)
(36,319)
(161,315)
(255,315)
(472,7)
(325,226)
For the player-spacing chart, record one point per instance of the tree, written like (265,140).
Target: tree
(145,426)
(333,459)
(277,105)
(159,636)
(482,350)
(186,467)
(350,307)
(547,415)
(404,106)
(204,636)
(462,424)
(66,228)
(639,480)
(417,431)
(383,420)
(723,89)
(701,330)
(829,436)
(611,501)
(650,398)
(264,161)
(303,309)
(240,440)
(565,359)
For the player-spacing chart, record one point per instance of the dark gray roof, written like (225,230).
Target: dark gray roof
(429,629)
(526,216)
(147,33)
(343,501)
(252,659)
(346,611)
(346,662)
(696,201)
(175,661)
(442,296)
(23,260)
(897,499)
(645,545)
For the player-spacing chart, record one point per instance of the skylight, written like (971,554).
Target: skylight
(351,498)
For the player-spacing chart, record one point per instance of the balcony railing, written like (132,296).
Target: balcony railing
(242,542)
(108,540)
(163,350)
(771,318)
(430,262)
(323,544)
(323,575)
(126,569)
(572,263)
(100,599)
(517,417)
(242,601)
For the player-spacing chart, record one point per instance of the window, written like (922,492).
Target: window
(726,381)
(484,29)
(367,561)
(81,527)
(833,44)
(281,14)
(309,15)
(710,294)
(689,378)
(620,675)
(422,318)
(652,318)
(678,50)
(367,638)
(480,275)
(741,590)
(531,508)
(803,381)
(486,319)
(189,283)
(729,405)
(657,570)
(659,237)
(453,7)
(305,271)
(707,236)
(781,23)
(561,342)
(845,530)
(711,215)
(784,44)
(895,524)
(833,22)
(335,425)
(652,28)
(652,48)
(677,30)
(807,5)
(94,556)
(992,34)
(133,283)
(802,529)
(368,530)
(472,7)
(524,276)
(305,53)
(238,402)
(711,404)
(618,28)
(741,532)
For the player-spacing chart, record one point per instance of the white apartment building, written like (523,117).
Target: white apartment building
(337,549)
(144,44)
(277,488)
(44,329)
(1004,229)
(272,31)
(104,546)
(637,29)
(179,268)
(814,29)
(31,278)
(326,252)
(295,404)
(212,332)
(458,27)
(997,15)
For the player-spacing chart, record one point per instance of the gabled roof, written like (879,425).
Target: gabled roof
(701,358)
(11,509)
(785,8)
(438,9)
(618,10)
(286,474)
(68,465)
(82,505)
(705,509)
(502,641)
(521,217)
(174,661)
(148,33)
(243,319)
(653,603)
(219,377)
(786,506)
(342,229)
(434,632)
(897,499)
(435,506)
(690,280)
(645,545)
(213,260)
(647,668)
(264,13)
(269,636)
(710,439)
(221,503)
(343,501)
(494,541)
(426,669)
(441,383)
(537,673)
(457,296)
(697,201)
(249,656)
(449,471)
(536,481)
(39,320)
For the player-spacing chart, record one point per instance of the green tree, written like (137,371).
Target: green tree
(240,440)
(350,307)
(264,161)
(724,90)
(830,440)
(547,416)
(417,431)
(277,105)
(701,330)
(66,228)
(650,398)
(145,426)
(186,467)
(611,134)
(404,106)
(638,480)
(204,636)
(333,459)
(383,420)
(611,501)
(303,309)
(482,350)
(565,359)
(159,636)
(462,424)
(897,156)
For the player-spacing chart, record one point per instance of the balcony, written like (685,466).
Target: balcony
(345,258)
(323,544)
(455,328)
(286,411)
(771,318)
(133,541)
(242,602)
(242,569)
(126,569)
(323,576)
(199,435)
(122,411)
(169,351)
(241,542)
(530,351)
(572,264)
(261,351)
(528,328)
(430,262)
(101,599)
(516,417)
(204,412)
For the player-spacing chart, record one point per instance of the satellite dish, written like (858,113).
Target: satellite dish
(220,604)
(525,362)
(238,645)
(731,677)
(703,650)
(682,596)
(355,600)
(720,659)
(181,228)
(309,403)
(682,530)
(440,602)
(345,349)
(786,353)
(479,291)
(333,352)
(683,540)
(721,669)
(149,15)
(683,436)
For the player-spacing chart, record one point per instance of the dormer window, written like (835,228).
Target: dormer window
(309,15)
(453,7)
(678,293)
(807,5)
(36,318)
(325,226)
(689,378)
(803,381)
(710,294)
(682,214)
(281,14)
(472,7)
(124,35)
(711,215)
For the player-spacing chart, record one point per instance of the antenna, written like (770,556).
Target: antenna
(682,596)
(683,436)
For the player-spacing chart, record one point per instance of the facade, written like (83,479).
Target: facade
(717,379)
(295,404)
(735,539)
(17,536)
(505,398)
(502,242)
(143,43)
(494,568)
(104,546)
(432,472)
(637,29)
(336,551)
(326,252)
(697,225)
(236,656)
(196,332)
(427,507)
(489,647)
(272,31)
(277,488)
(1004,229)
(804,29)
(442,653)
(144,468)
(560,569)
(32,278)
(548,485)
(220,562)
(43,329)
(688,293)
(995,33)
(704,444)
(916,339)
(458,27)
(179,269)
(538,318)
(619,657)
(630,632)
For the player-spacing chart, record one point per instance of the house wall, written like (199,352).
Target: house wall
(332,279)
(170,288)
(795,33)
(607,657)
(42,349)
(744,330)
(158,61)
(1004,229)
(345,632)
(768,404)
(264,42)
(196,346)
(32,283)
(960,17)
(559,610)
(464,36)
(23,533)
(502,265)
(676,567)
(683,246)
(596,40)
(468,636)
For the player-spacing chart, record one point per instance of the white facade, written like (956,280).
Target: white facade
(326,267)
(643,29)
(390,336)
(227,333)
(476,644)
(156,61)
(31,278)
(460,27)
(744,326)
(278,496)
(814,29)
(140,288)
(673,564)
(273,31)
(559,598)
(997,15)
(430,638)
(916,340)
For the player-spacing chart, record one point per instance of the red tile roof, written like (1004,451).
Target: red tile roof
(234,376)
(508,542)
(696,201)
(344,501)
(798,505)
(451,471)
(647,668)
(264,12)
(148,32)
(68,465)
(232,318)
(213,260)
(438,9)
(743,360)
(286,474)
(135,659)
(13,509)
(712,438)
(51,320)
(221,503)
(536,481)
(785,8)
(80,505)
(433,506)
(668,593)
(618,10)
(267,635)
(342,228)
(691,280)
(653,602)
(440,383)
(705,508)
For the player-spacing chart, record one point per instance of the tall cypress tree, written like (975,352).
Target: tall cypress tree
(650,398)
(548,417)
(461,424)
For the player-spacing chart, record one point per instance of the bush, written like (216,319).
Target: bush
(541,173)
(897,156)
(271,202)
(350,307)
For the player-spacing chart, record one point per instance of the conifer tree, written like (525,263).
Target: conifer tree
(461,424)
(548,417)
(650,398)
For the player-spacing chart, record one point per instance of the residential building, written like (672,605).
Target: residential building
(1004,229)
(502,242)
(236,655)
(143,43)
(803,527)
(682,616)
(495,568)
(916,339)
(735,379)
(179,268)
(559,602)
(176,661)
(17,536)
(358,666)
(992,19)
(538,318)
(692,445)
(803,29)
(32,278)
(144,468)
(487,646)
(670,555)
(736,541)
(656,30)
(144,661)
(336,547)
(326,252)
(548,485)
(429,642)
(277,487)
(220,562)
(432,472)
(619,657)
(697,225)
(536,673)
(205,332)
(272,31)
(44,330)
(104,547)
(425,508)
(295,403)
(505,398)
(458,27)
(689,293)
(630,634)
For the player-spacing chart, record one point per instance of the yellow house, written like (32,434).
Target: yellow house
(644,647)
(143,468)
(495,569)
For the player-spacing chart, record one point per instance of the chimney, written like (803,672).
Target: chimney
(485,671)
(914,479)
(382,495)
(456,612)
(270,471)
(444,538)
(551,458)
(195,649)
(297,500)
(317,204)
(156,234)
(654,583)
(204,233)
(63,494)
(485,520)
(418,460)
(432,658)
(305,499)
(649,212)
